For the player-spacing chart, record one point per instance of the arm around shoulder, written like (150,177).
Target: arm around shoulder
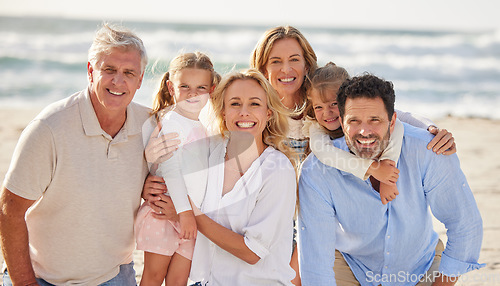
(322,147)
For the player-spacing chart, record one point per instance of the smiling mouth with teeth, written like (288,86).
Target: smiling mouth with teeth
(366,141)
(290,79)
(116,93)
(331,120)
(245,124)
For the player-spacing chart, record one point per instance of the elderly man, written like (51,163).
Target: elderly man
(70,196)
(348,237)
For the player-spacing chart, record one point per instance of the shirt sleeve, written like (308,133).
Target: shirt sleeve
(414,119)
(171,169)
(393,150)
(322,147)
(316,229)
(274,209)
(452,202)
(33,162)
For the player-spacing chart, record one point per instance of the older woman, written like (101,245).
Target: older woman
(285,57)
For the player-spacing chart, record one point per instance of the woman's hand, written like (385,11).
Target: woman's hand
(164,208)
(443,141)
(153,187)
(160,149)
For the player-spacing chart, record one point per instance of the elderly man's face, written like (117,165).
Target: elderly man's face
(366,126)
(115,79)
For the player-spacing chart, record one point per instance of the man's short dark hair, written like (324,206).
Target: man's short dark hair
(367,86)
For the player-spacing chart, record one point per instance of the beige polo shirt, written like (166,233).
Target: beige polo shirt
(87,186)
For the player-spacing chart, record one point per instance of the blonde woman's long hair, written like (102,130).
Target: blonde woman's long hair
(276,128)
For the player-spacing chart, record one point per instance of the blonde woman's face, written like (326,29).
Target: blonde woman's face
(245,107)
(286,67)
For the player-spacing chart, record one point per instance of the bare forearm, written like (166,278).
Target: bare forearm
(226,239)
(14,238)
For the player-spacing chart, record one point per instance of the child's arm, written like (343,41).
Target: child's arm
(329,155)
(414,120)
(443,141)
(188,225)
(322,147)
(171,171)
(393,150)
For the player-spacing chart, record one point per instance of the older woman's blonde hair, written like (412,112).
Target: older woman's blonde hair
(276,128)
(260,54)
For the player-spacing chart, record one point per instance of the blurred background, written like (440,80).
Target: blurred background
(443,58)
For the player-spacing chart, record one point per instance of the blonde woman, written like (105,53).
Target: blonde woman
(246,229)
(245,223)
(285,57)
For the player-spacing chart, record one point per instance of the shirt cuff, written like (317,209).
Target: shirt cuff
(452,267)
(256,247)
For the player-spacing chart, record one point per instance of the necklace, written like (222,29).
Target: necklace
(230,168)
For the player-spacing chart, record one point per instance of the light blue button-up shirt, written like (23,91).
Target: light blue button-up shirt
(391,244)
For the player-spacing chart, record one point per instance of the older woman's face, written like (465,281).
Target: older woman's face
(245,107)
(286,67)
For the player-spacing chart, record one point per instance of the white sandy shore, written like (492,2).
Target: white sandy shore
(478,150)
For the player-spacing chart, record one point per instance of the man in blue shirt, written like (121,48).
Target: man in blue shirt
(392,244)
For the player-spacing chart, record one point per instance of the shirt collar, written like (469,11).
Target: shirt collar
(91,124)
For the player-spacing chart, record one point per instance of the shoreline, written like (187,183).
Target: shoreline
(479,162)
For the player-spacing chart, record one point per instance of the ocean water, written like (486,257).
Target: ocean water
(435,73)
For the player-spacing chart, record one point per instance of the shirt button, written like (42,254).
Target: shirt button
(388,236)
(303,228)
(385,267)
(387,253)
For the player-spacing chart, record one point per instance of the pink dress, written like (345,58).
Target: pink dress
(184,174)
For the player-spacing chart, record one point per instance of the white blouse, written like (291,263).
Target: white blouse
(260,207)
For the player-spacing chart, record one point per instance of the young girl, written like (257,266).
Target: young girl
(168,246)
(324,123)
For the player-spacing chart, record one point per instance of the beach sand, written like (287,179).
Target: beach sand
(477,141)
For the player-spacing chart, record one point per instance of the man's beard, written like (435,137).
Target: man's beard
(368,153)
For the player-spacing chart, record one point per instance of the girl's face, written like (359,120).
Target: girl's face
(191,89)
(286,67)
(245,108)
(326,112)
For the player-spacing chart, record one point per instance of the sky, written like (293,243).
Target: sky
(393,14)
